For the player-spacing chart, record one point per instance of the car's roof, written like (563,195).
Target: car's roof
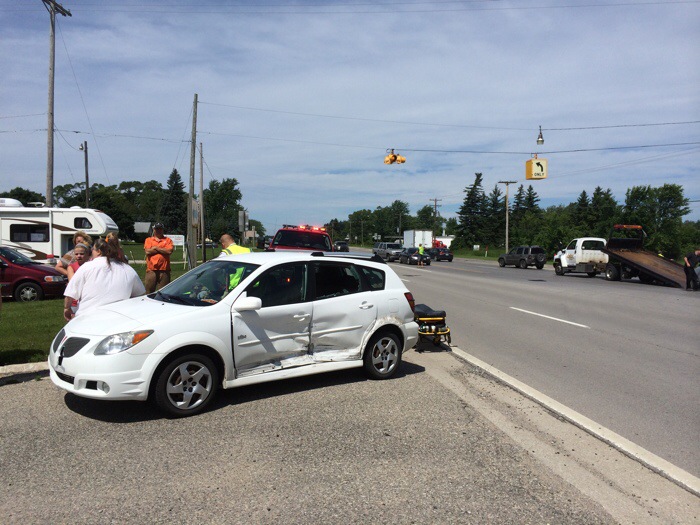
(283,256)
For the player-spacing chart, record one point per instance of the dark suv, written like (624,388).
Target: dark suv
(290,237)
(524,256)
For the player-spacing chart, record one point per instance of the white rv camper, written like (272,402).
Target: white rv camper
(43,233)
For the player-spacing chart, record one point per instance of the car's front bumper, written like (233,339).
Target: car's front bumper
(117,377)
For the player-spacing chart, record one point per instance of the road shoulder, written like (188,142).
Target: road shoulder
(628,490)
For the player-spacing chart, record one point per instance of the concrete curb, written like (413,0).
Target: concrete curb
(657,464)
(18,373)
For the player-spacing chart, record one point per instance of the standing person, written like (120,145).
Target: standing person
(230,247)
(158,250)
(691,278)
(81,254)
(67,259)
(421,251)
(113,238)
(103,280)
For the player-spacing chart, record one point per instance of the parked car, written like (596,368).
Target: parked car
(27,280)
(341,246)
(524,256)
(389,251)
(291,237)
(288,314)
(440,254)
(411,256)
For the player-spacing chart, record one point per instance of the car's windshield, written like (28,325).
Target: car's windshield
(207,284)
(15,257)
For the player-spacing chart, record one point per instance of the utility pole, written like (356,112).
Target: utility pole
(507,183)
(191,238)
(435,212)
(83,148)
(201,202)
(52,7)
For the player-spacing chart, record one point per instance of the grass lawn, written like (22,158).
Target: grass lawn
(27,329)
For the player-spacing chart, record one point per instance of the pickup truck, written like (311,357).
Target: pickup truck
(389,251)
(582,255)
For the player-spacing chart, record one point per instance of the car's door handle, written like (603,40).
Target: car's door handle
(366,306)
(301,316)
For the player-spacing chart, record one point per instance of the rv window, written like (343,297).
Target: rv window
(29,233)
(82,223)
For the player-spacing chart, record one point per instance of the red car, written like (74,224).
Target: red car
(26,280)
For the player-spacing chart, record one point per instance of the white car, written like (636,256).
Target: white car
(235,321)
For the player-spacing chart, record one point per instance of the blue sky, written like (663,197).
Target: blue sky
(300,100)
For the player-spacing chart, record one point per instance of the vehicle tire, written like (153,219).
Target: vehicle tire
(612,273)
(523,264)
(558,269)
(539,266)
(501,262)
(186,385)
(382,355)
(28,292)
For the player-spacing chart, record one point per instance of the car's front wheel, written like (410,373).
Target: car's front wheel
(27,292)
(186,385)
(382,355)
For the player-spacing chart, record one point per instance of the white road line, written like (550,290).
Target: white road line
(659,465)
(548,317)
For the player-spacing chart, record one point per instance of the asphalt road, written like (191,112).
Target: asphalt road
(630,361)
(439,443)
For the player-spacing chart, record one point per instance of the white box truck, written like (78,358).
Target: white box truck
(412,238)
(43,234)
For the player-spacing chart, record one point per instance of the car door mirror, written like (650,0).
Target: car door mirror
(247,304)
(3,264)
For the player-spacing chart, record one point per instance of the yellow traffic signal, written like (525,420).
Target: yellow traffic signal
(392,158)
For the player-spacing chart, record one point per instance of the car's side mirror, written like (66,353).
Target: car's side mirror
(3,264)
(247,304)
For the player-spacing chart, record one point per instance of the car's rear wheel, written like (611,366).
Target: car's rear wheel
(539,266)
(382,355)
(501,262)
(186,385)
(27,292)
(523,264)
(612,273)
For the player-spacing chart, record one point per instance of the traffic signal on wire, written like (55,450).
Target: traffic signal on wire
(393,158)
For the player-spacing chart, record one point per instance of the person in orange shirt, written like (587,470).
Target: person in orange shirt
(158,250)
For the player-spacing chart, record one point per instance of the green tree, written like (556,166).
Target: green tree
(425,218)
(603,212)
(495,218)
(174,213)
(23,195)
(115,204)
(221,207)
(660,211)
(471,214)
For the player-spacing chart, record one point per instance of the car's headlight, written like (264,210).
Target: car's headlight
(119,342)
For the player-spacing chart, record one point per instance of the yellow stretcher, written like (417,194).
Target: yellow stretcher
(432,325)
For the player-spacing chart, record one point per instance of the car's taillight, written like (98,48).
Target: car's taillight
(411,301)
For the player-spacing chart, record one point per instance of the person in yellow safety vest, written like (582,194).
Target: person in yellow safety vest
(421,252)
(230,247)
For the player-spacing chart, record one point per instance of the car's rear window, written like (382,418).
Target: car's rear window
(375,277)
(536,249)
(592,245)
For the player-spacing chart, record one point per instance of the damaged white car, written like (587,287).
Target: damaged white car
(235,321)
